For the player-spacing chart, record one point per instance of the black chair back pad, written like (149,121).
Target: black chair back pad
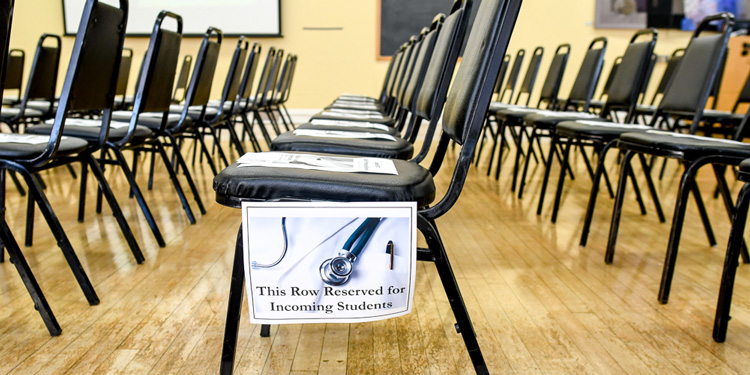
(398,57)
(628,80)
(406,64)
(693,77)
(157,96)
(501,75)
(250,69)
(588,76)
(288,84)
(43,75)
(95,78)
(421,65)
(527,85)
(6,11)
(612,74)
(182,79)
(551,86)
(286,70)
(470,95)
(14,70)
(267,92)
(124,74)
(439,72)
(672,64)
(265,74)
(203,74)
(515,70)
(234,75)
(410,70)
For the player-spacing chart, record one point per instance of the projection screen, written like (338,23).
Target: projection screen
(233,17)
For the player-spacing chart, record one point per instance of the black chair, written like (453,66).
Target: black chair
(463,117)
(547,97)
(14,75)
(89,85)
(515,71)
(38,102)
(734,249)
(703,55)
(9,242)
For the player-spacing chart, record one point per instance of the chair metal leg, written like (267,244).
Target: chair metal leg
(547,170)
(448,279)
(526,161)
(561,179)
(723,189)
(678,219)
(637,191)
(215,136)
(82,194)
(235,138)
(594,192)
(112,201)
(704,215)
(136,190)
(36,191)
(20,188)
(519,152)
(29,221)
(151,171)
(189,178)
(731,262)
(175,181)
(652,188)
(204,150)
(500,132)
(614,226)
(18,260)
(288,116)
(234,309)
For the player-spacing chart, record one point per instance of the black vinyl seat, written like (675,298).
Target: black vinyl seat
(463,117)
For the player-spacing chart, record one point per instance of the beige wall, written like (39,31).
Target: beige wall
(331,62)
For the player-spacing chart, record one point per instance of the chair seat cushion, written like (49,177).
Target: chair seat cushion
(353,126)
(355,106)
(596,104)
(514,115)
(12,148)
(151,120)
(548,119)
(496,106)
(715,115)
(690,146)
(599,129)
(235,184)
(194,111)
(645,108)
(8,113)
(349,117)
(378,148)
(89,130)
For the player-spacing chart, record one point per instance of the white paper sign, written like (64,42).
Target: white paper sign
(342,134)
(298,268)
(318,162)
(350,124)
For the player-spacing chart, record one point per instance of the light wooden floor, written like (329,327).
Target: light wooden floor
(539,303)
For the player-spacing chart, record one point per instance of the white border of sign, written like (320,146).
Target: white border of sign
(275,211)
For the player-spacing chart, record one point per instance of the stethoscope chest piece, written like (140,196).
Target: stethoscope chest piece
(336,271)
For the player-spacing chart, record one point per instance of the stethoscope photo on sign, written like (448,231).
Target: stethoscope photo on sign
(327,251)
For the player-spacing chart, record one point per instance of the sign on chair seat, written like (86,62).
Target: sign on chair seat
(325,262)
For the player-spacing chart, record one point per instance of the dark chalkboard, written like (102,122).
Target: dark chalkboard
(400,19)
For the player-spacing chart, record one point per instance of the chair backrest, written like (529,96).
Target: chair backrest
(123,75)
(588,75)
(388,74)
(716,88)
(628,80)
(515,70)
(501,77)
(289,79)
(153,91)
(611,76)
(529,79)
(251,67)
(14,70)
(286,71)
(398,57)
(431,97)
(273,76)
(551,86)
(421,64)
(91,78)
(234,76)
(411,67)
(672,63)
(199,89)
(180,88)
(688,91)
(744,96)
(6,18)
(43,74)
(471,92)
(402,76)
(265,76)
(647,78)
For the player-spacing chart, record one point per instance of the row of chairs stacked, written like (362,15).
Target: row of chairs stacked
(679,127)
(94,123)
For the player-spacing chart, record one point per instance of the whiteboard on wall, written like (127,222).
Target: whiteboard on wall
(233,17)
